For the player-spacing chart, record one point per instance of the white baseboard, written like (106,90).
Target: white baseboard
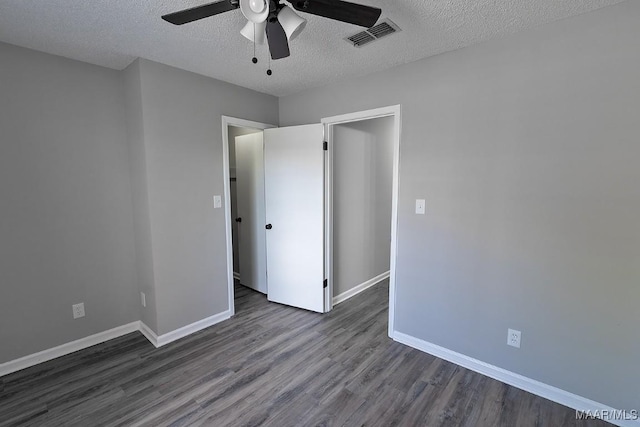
(157,341)
(361,287)
(64,349)
(172,336)
(148,334)
(538,388)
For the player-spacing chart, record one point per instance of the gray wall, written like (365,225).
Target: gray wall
(363,173)
(183,141)
(66,227)
(526,150)
(140,193)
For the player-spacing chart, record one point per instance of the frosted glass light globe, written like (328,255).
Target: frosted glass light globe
(257,6)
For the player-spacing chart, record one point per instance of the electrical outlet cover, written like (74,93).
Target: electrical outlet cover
(513,338)
(78,310)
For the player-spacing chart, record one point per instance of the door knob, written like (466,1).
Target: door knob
(238,219)
(269,226)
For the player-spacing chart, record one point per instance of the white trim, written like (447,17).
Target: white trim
(362,115)
(360,288)
(64,349)
(149,334)
(328,217)
(71,347)
(538,388)
(329,122)
(226,122)
(175,335)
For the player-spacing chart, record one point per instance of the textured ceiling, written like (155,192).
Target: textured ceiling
(112,33)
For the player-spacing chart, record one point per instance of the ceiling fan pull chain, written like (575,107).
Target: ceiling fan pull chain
(255,59)
(269,72)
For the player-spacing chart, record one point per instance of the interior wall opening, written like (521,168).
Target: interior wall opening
(247,206)
(363,153)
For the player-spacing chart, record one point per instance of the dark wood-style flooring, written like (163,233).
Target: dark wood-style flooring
(270,365)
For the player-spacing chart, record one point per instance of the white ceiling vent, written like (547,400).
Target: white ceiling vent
(374,33)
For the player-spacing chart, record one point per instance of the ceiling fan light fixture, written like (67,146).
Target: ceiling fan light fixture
(292,23)
(255,10)
(257,6)
(254,32)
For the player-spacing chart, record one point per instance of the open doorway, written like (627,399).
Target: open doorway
(244,204)
(362,194)
(358,197)
(284,226)
(293,161)
(246,158)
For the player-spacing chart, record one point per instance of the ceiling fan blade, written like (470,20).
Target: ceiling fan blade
(278,44)
(199,12)
(352,13)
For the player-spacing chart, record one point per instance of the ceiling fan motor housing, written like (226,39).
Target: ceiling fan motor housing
(255,11)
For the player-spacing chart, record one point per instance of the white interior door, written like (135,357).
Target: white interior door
(251,211)
(294,200)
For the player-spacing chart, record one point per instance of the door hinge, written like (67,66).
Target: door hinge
(325,145)
(325,283)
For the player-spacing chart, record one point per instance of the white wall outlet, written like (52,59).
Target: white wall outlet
(513,338)
(217,202)
(78,310)
(420,206)
(143,299)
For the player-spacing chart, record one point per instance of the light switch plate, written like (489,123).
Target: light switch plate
(217,202)
(420,206)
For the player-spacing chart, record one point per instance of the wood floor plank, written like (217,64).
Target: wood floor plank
(270,365)
(336,410)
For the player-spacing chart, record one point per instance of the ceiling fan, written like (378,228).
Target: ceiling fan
(278,21)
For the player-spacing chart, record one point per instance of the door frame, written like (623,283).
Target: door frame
(226,122)
(394,111)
